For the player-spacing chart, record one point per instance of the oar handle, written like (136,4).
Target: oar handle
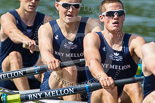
(35,70)
(26,47)
(119,82)
(72,62)
(73,90)
(128,81)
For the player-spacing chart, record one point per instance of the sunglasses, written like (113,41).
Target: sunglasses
(68,5)
(114,12)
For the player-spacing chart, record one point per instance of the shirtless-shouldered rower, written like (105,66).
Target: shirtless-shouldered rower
(148,61)
(111,55)
(62,40)
(20,26)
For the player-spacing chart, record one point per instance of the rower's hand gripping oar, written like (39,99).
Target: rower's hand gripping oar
(18,98)
(35,70)
(26,47)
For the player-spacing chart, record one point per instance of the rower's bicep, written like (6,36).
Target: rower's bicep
(91,47)
(8,23)
(45,37)
(148,54)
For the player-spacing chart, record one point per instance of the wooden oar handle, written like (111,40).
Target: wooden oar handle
(26,47)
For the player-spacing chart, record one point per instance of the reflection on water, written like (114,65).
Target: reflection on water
(140,17)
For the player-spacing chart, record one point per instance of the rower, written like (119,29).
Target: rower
(148,61)
(112,54)
(62,40)
(17,27)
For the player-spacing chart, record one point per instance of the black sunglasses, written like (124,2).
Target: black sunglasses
(68,5)
(113,13)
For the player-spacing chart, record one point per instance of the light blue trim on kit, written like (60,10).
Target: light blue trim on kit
(87,88)
(36,70)
(4,98)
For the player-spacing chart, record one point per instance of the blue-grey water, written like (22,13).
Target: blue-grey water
(140,14)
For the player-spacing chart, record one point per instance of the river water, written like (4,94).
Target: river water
(140,14)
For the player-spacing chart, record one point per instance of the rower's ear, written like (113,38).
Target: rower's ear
(101,17)
(56,5)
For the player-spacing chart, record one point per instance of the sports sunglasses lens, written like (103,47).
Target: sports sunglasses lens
(76,6)
(110,13)
(120,13)
(66,5)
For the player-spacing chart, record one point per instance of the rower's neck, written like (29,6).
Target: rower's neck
(114,39)
(69,27)
(27,17)
(69,30)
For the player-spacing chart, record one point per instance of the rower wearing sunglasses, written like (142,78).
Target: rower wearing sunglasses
(112,54)
(148,51)
(62,40)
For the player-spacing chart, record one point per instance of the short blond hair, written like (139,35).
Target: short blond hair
(102,5)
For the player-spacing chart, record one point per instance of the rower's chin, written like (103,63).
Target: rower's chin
(116,29)
(71,19)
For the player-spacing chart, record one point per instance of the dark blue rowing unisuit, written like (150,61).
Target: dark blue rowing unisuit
(29,59)
(66,50)
(116,64)
(149,84)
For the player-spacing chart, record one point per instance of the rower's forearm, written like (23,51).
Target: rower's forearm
(96,69)
(17,37)
(151,66)
(149,63)
(46,55)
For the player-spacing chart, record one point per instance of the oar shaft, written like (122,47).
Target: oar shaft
(35,70)
(73,90)
(128,81)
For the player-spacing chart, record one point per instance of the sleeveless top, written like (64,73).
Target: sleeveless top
(117,64)
(8,46)
(64,49)
(149,84)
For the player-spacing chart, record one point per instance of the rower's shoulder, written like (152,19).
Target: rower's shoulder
(137,39)
(93,25)
(47,19)
(148,47)
(92,36)
(45,26)
(7,16)
(92,41)
(134,36)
